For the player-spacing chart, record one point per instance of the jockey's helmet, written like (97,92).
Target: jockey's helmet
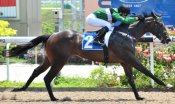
(124,9)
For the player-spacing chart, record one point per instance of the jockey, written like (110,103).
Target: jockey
(106,17)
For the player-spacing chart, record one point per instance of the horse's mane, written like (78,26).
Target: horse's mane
(144,14)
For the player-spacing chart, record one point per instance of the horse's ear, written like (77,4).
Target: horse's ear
(153,15)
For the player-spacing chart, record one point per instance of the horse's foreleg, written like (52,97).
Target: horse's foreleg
(133,61)
(40,69)
(55,68)
(129,74)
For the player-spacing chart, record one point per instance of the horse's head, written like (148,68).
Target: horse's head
(157,28)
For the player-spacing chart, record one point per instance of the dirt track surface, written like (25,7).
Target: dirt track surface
(84,97)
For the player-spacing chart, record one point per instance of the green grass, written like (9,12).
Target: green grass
(59,82)
(19,84)
(74,82)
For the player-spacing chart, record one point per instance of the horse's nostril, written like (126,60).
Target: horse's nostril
(168,40)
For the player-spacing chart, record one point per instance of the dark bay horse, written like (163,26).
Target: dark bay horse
(60,46)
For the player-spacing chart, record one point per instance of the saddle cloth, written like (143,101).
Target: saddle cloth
(88,38)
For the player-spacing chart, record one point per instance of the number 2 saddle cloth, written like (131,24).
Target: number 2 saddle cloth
(87,42)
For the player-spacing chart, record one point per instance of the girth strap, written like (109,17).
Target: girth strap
(105,53)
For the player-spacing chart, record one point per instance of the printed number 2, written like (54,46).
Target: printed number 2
(89,40)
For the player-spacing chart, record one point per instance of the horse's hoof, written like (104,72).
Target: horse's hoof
(140,98)
(54,99)
(168,86)
(17,89)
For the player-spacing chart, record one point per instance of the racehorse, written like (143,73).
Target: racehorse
(60,46)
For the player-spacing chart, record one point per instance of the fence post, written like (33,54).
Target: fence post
(36,55)
(7,59)
(152,62)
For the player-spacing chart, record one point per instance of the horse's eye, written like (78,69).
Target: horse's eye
(161,25)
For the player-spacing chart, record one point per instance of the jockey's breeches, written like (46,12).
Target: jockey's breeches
(92,20)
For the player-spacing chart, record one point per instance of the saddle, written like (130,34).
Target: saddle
(87,44)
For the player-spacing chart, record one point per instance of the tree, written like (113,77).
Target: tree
(5,30)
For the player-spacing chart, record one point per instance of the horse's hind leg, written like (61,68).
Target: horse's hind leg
(129,74)
(40,69)
(55,68)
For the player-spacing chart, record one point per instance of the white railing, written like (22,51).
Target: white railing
(15,40)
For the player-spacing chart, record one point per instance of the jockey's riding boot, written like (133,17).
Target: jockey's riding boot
(98,40)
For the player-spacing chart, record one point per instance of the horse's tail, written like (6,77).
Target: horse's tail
(24,47)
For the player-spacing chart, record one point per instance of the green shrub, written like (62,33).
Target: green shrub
(124,81)
(104,79)
(48,22)
(5,30)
